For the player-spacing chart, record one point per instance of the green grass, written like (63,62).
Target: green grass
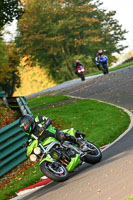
(22,180)
(45,100)
(101,122)
(122,66)
(130,198)
(112,69)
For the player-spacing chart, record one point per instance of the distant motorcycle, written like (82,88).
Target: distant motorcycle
(102,63)
(81,72)
(58,159)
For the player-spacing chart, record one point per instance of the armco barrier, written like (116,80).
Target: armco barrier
(11,139)
(23,106)
(11,150)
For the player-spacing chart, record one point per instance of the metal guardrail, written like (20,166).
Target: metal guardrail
(11,139)
(11,150)
(2,94)
(23,105)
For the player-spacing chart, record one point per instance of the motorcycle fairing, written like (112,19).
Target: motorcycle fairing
(35,143)
(48,140)
(46,159)
(31,147)
(71,131)
(74,162)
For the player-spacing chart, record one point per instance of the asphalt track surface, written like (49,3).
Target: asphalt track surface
(112,178)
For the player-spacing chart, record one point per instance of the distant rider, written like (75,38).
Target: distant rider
(101,59)
(78,64)
(41,128)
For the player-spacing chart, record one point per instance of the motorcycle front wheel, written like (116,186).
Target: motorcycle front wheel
(82,77)
(55,172)
(105,69)
(94,154)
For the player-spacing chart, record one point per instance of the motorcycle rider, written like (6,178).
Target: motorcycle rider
(101,59)
(41,128)
(78,64)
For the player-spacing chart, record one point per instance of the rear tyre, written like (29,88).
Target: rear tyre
(94,154)
(55,172)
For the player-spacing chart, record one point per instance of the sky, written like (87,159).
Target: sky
(124,14)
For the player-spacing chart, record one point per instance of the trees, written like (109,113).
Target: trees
(9,9)
(56,32)
(112,32)
(3,61)
(9,60)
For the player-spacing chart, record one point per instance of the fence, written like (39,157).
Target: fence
(23,106)
(11,151)
(11,139)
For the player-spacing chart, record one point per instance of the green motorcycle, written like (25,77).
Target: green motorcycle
(58,159)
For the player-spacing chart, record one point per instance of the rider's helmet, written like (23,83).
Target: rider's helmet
(27,123)
(100,52)
(77,61)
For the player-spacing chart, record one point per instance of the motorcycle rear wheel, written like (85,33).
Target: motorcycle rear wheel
(94,154)
(58,174)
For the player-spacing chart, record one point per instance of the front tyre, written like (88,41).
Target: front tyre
(105,69)
(82,77)
(56,172)
(94,154)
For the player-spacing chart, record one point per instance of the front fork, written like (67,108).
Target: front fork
(48,157)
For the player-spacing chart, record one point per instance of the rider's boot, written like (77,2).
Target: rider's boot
(79,134)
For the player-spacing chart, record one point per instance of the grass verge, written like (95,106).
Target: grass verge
(45,100)
(112,69)
(102,123)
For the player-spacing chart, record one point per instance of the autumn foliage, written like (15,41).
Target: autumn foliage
(32,77)
(54,34)
(57,32)
(7,116)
